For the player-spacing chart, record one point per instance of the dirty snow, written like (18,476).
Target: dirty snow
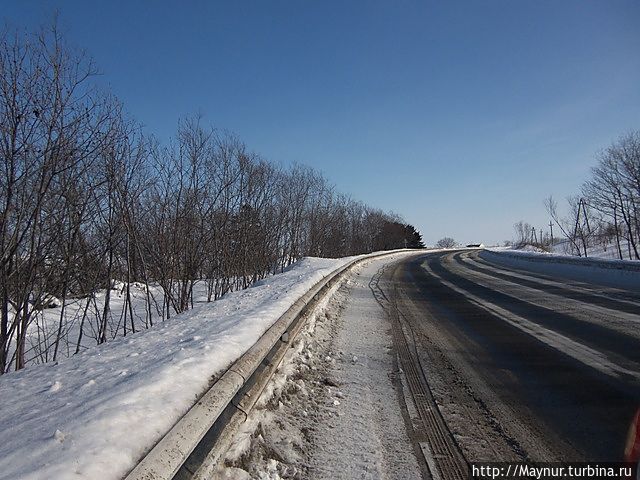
(334,409)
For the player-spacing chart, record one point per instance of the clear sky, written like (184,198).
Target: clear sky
(460,116)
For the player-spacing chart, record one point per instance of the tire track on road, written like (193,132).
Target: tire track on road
(587,407)
(614,350)
(470,261)
(442,453)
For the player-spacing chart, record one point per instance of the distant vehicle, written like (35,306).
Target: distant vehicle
(475,245)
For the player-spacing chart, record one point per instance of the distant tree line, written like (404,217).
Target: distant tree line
(606,213)
(90,205)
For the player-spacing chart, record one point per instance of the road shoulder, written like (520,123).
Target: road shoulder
(335,409)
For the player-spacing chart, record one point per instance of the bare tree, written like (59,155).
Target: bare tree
(50,125)
(614,191)
(568,226)
(118,231)
(446,242)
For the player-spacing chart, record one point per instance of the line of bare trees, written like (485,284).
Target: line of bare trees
(606,214)
(117,231)
(527,234)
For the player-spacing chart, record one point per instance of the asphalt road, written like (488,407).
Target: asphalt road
(522,366)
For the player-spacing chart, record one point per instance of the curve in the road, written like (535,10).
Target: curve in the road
(588,407)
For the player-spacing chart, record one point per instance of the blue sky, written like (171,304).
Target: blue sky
(460,116)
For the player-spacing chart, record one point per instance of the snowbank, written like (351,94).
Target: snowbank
(601,250)
(95,414)
(611,273)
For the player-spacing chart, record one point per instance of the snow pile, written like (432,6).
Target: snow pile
(274,442)
(605,250)
(95,414)
(601,250)
(531,248)
(612,273)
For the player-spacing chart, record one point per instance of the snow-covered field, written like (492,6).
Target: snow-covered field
(607,250)
(81,318)
(565,248)
(93,415)
(43,329)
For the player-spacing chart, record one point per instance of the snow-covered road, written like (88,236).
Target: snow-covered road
(338,411)
(366,435)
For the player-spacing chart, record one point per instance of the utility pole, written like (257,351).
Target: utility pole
(586,217)
(551,227)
